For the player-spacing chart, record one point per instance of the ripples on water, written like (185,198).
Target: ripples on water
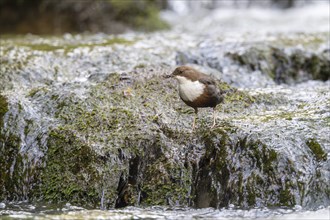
(28,211)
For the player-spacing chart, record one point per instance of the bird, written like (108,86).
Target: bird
(197,90)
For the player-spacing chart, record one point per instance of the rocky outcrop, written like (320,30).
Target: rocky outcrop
(97,125)
(259,64)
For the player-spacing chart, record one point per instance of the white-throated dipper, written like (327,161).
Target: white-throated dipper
(197,90)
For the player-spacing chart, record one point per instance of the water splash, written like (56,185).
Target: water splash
(68,211)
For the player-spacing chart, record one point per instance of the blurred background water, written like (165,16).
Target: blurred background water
(114,16)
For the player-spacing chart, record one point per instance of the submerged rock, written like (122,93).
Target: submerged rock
(97,125)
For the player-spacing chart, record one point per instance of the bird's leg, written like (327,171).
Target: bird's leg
(213,125)
(194,121)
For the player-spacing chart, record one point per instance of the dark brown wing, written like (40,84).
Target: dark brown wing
(212,90)
(207,81)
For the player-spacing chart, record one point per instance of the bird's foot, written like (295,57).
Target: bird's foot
(214,123)
(193,129)
(213,126)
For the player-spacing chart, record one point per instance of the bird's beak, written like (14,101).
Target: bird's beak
(168,76)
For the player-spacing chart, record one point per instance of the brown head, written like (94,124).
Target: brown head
(188,72)
(181,70)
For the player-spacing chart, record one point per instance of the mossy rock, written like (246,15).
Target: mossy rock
(128,142)
(14,169)
(239,171)
(3,109)
(125,117)
(48,47)
(234,99)
(319,66)
(317,150)
(284,67)
(74,172)
(11,182)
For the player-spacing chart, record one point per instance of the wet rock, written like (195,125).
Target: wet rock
(260,64)
(99,126)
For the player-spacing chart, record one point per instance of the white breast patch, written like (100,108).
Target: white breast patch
(189,90)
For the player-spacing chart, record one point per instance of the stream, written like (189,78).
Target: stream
(90,129)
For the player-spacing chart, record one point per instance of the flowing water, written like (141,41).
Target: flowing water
(28,211)
(82,61)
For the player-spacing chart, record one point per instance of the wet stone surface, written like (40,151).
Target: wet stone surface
(90,120)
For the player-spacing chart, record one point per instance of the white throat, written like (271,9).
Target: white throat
(189,90)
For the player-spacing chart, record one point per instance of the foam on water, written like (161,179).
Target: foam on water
(24,211)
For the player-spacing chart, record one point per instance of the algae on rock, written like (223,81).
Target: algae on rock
(99,126)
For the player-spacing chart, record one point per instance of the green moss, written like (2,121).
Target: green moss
(10,159)
(3,109)
(282,66)
(251,195)
(213,174)
(327,120)
(151,22)
(302,190)
(164,193)
(123,129)
(40,47)
(35,90)
(239,96)
(131,124)
(317,150)
(234,98)
(258,185)
(286,198)
(67,48)
(111,41)
(240,189)
(70,173)
(263,157)
(309,40)
(253,56)
(318,66)
(141,15)
(282,115)
(26,128)
(165,183)
(141,65)
(269,158)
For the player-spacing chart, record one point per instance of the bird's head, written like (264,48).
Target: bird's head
(180,71)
